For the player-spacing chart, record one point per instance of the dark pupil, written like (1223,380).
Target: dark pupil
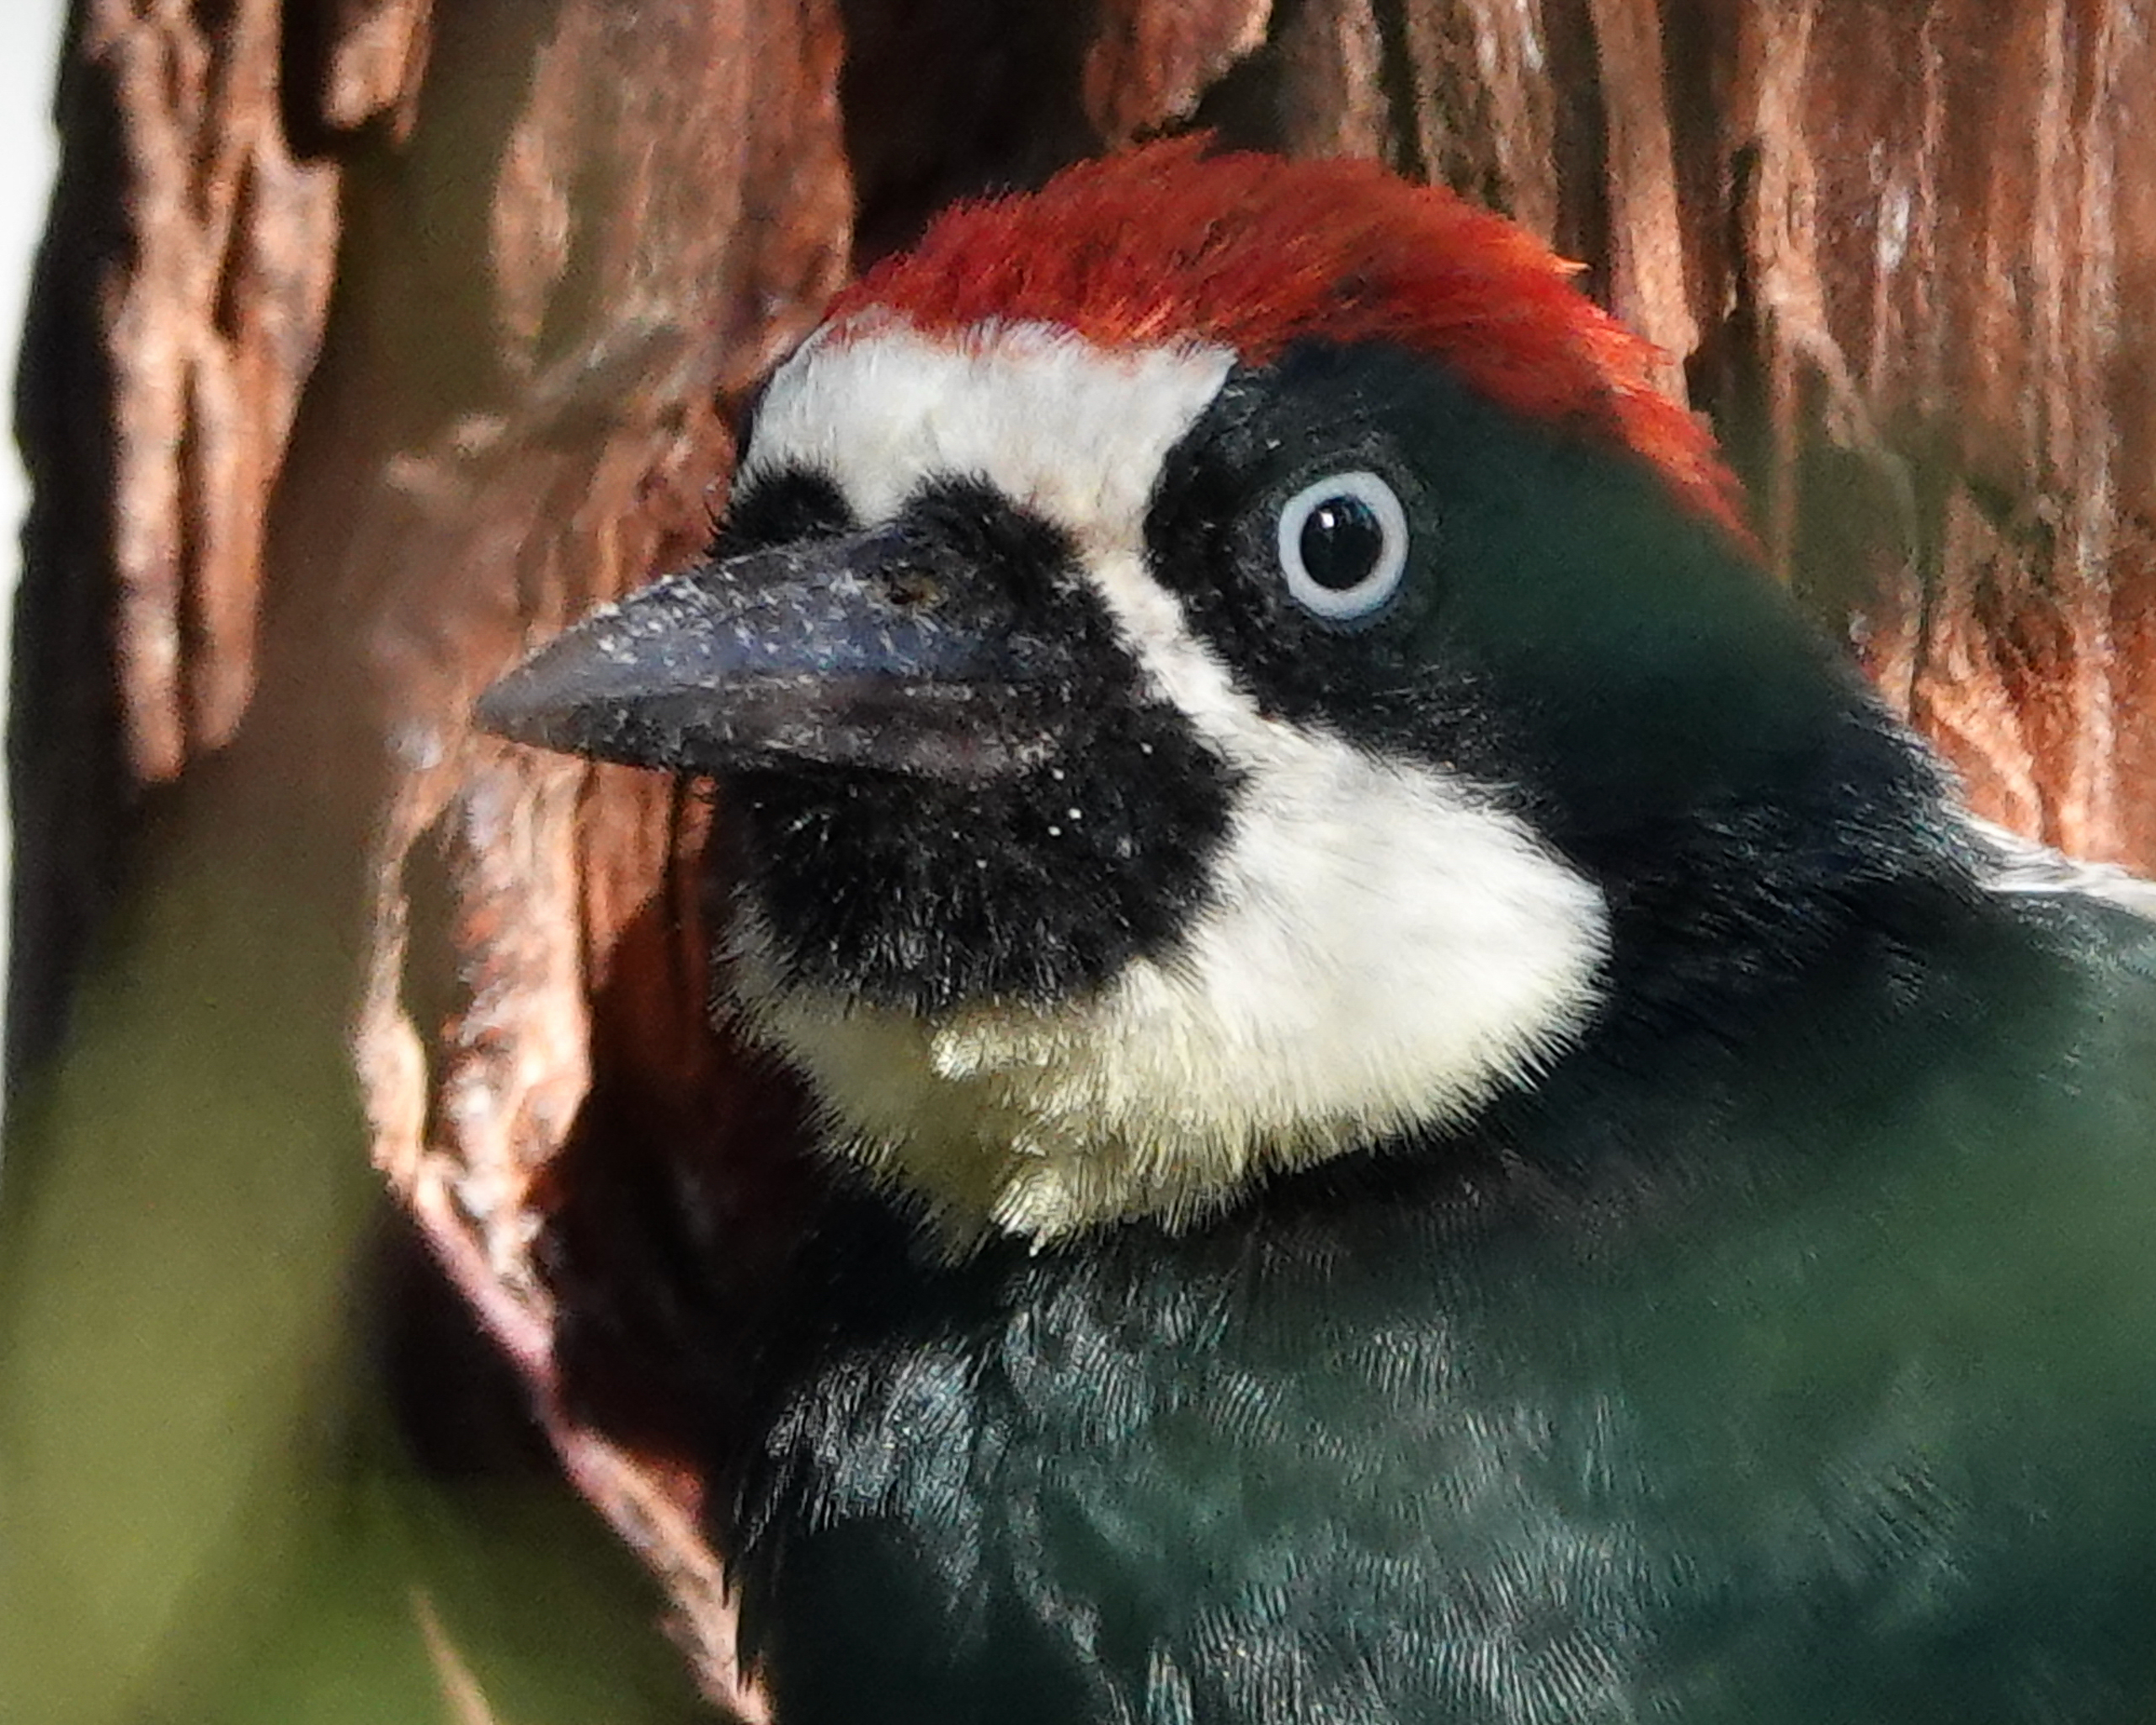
(1341,542)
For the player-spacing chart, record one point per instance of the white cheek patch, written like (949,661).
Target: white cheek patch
(1383,948)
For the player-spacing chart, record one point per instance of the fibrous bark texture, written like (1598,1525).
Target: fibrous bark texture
(376,339)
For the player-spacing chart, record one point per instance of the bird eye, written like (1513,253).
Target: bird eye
(1343,545)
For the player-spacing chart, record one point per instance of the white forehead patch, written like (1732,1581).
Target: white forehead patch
(1383,946)
(1072,432)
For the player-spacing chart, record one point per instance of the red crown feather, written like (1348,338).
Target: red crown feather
(1166,243)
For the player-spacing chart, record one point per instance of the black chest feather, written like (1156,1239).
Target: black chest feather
(1810,1400)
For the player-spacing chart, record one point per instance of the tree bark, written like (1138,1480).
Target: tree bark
(374,340)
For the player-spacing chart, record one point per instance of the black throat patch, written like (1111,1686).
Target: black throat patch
(909,893)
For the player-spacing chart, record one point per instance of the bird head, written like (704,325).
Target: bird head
(1219,664)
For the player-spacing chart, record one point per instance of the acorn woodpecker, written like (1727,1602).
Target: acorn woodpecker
(1433,1115)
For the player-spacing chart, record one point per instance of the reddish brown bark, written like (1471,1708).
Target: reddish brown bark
(376,339)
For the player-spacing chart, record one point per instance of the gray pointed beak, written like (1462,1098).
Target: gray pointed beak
(864,651)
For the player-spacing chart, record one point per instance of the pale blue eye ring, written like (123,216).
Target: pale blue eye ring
(1343,545)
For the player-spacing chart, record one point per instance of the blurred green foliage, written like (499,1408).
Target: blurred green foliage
(206,1515)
